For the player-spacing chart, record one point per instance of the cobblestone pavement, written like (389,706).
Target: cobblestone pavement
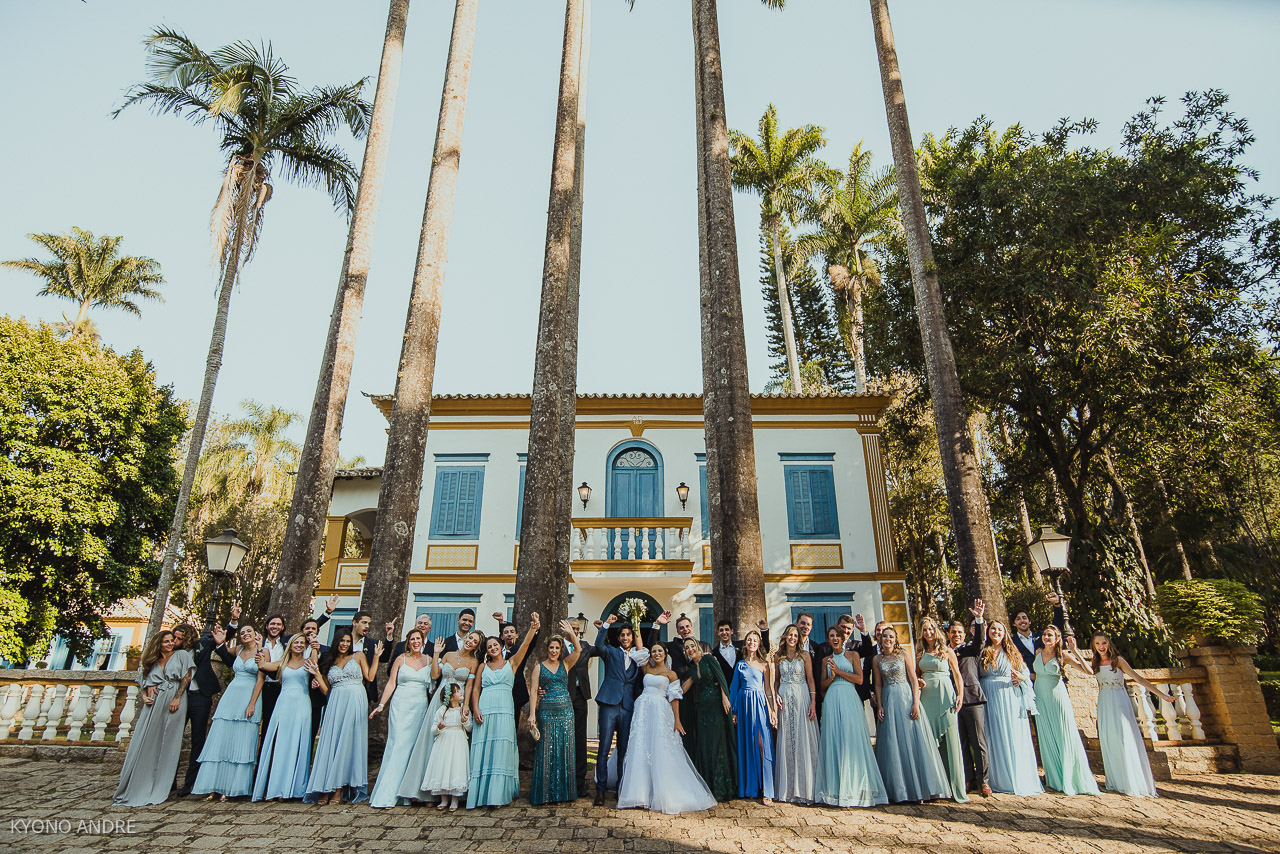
(65,807)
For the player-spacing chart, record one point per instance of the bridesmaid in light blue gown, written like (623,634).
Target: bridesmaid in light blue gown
(1009,702)
(458,668)
(154,748)
(285,761)
(848,775)
(1124,753)
(409,691)
(341,767)
(231,751)
(1066,767)
(906,750)
(495,763)
(755,715)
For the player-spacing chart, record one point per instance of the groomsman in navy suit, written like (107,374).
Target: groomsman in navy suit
(615,697)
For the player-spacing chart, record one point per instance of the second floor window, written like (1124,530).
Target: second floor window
(456,511)
(811,502)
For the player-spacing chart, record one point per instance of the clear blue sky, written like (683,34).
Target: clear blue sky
(153,179)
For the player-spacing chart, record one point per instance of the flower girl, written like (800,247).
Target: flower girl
(449,768)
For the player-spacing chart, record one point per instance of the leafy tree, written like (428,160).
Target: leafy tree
(87,484)
(853,212)
(265,122)
(817,339)
(90,272)
(784,169)
(1097,297)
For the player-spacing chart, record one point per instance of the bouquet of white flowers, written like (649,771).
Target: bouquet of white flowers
(634,610)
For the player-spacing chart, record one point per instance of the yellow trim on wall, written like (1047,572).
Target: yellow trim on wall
(453,556)
(881,525)
(668,404)
(817,556)
(631,566)
(863,427)
(893,592)
(810,577)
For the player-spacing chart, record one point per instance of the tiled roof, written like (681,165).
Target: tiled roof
(377,398)
(139,608)
(363,471)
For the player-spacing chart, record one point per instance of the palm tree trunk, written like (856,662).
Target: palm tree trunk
(539,584)
(1131,520)
(213,362)
(390,557)
(568,423)
(300,552)
(1166,510)
(1024,522)
(970,517)
(857,287)
(784,307)
(737,571)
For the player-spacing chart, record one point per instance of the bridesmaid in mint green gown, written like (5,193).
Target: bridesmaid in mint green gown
(943,685)
(495,762)
(1066,767)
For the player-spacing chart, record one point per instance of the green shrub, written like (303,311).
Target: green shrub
(1210,611)
(1271,693)
(1267,662)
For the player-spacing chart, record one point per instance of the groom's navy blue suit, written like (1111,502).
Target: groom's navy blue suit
(615,698)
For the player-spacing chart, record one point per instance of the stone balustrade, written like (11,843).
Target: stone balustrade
(634,539)
(89,707)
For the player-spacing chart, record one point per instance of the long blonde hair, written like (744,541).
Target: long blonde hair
(759,655)
(938,638)
(991,651)
(1058,651)
(289,654)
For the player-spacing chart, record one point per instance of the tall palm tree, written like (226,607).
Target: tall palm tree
(387,582)
(91,272)
(737,561)
(970,517)
(542,577)
(264,121)
(852,212)
(314,486)
(784,170)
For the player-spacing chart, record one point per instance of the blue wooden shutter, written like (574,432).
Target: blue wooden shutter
(456,511)
(707,625)
(520,502)
(811,502)
(706,521)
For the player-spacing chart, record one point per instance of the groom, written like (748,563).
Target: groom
(615,697)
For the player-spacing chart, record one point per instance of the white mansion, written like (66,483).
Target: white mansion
(828,547)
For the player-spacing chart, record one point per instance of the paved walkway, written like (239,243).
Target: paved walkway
(65,807)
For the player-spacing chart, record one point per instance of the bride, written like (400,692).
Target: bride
(658,773)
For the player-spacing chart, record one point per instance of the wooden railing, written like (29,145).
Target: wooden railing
(631,538)
(67,706)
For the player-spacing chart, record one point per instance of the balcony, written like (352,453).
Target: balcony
(606,552)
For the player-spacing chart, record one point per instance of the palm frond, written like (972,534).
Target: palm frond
(312,163)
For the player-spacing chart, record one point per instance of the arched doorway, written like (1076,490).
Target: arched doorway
(634,487)
(654,611)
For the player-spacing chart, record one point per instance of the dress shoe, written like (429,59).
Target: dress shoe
(184,791)
(986,790)
(598,801)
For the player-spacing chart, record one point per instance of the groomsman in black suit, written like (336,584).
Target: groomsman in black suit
(817,648)
(466,622)
(315,649)
(727,649)
(580,693)
(1028,641)
(373,650)
(676,659)
(204,687)
(973,704)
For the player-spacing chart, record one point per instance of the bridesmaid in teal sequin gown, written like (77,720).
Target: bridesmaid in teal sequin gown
(555,762)
(906,750)
(1066,767)
(943,686)
(495,762)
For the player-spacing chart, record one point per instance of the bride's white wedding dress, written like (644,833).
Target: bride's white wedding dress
(658,773)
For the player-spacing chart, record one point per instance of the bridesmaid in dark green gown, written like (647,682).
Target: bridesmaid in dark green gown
(555,758)
(709,737)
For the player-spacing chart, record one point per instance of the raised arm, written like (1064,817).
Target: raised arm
(572,631)
(534,624)
(1141,680)
(370,668)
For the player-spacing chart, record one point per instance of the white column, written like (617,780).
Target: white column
(31,713)
(79,713)
(127,713)
(102,713)
(9,708)
(1172,732)
(1192,711)
(56,708)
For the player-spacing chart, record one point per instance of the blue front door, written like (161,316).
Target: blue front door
(635,489)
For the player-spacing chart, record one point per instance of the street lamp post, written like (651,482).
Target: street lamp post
(223,554)
(1049,550)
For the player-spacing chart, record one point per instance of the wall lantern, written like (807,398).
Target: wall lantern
(584,492)
(682,491)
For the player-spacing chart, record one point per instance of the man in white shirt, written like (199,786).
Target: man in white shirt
(466,622)
(272,650)
(728,650)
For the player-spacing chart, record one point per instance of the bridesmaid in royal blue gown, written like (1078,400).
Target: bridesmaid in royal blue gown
(848,775)
(755,714)
(1007,685)
(495,762)
(906,750)
(341,767)
(231,751)
(285,762)
(1124,753)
